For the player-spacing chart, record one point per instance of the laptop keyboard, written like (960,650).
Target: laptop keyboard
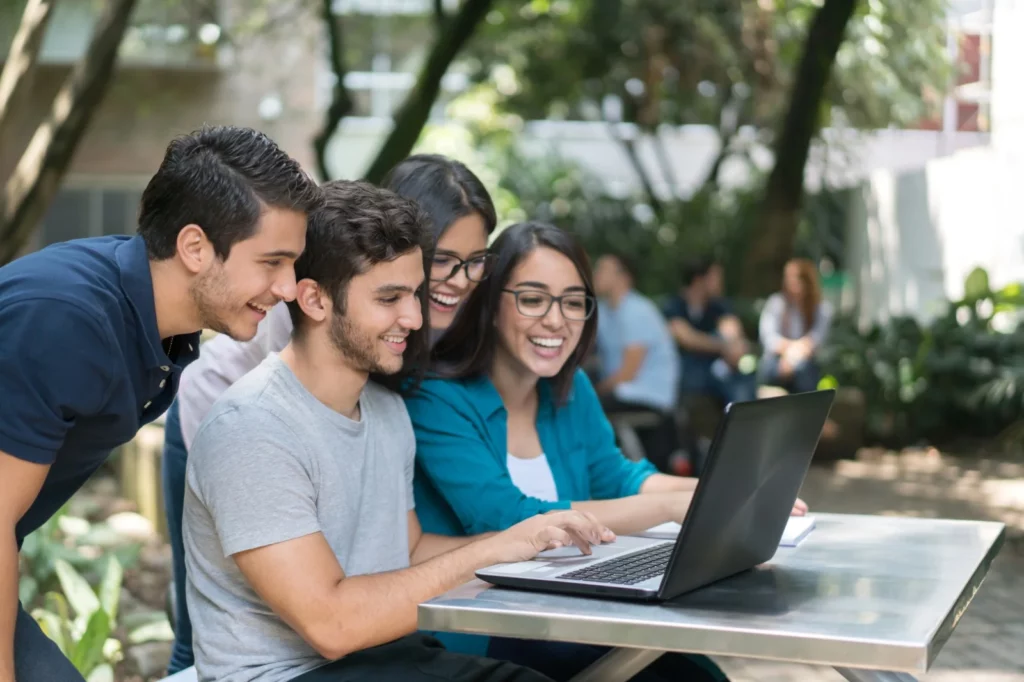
(626,570)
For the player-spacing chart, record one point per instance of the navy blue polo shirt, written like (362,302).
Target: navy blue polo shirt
(705,321)
(82,364)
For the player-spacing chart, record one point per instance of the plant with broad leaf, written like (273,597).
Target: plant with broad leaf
(81,620)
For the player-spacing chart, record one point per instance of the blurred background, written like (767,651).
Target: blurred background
(881,141)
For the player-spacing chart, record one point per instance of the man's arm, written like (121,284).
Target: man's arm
(693,340)
(632,358)
(730,328)
(426,546)
(44,379)
(20,482)
(338,615)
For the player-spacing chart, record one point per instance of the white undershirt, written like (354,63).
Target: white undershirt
(533,477)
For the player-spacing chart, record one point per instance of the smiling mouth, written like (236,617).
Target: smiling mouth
(444,300)
(547,341)
(262,309)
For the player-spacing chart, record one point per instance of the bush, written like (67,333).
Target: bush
(960,375)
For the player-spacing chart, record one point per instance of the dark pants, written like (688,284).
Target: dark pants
(418,657)
(659,441)
(174,461)
(704,377)
(805,376)
(36,657)
(563,660)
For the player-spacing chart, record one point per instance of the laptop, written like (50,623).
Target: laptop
(741,505)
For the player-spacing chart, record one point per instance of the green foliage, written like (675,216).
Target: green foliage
(680,63)
(83,632)
(960,375)
(81,549)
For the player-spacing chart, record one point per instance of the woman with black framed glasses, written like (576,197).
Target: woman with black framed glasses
(510,427)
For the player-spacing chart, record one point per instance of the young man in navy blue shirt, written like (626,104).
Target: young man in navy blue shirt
(96,332)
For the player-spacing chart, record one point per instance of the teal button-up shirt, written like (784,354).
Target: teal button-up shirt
(462,484)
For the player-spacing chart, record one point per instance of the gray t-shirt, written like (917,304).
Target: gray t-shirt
(271,463)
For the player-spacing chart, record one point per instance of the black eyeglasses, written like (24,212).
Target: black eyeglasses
(576,307)
(446,265)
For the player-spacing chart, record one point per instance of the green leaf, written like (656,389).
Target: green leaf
(81,597)
(976,286)
(88,651)
(101,673)
(50,624)
(159,631)
(110,588)
(28,588)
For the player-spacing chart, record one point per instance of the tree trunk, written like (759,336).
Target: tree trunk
(35,180)
(771,242)
(411,118)
(341,102)
(16,77)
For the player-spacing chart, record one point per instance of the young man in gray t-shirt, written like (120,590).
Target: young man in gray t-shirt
(304,556)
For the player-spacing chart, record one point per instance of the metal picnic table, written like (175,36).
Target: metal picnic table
(875,597)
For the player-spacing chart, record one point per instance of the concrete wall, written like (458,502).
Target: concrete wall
(915,234)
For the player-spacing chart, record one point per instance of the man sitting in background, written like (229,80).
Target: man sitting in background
(305,559)
(710,337)
(639,367)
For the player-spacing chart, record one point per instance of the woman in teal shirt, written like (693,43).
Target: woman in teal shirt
(511,427)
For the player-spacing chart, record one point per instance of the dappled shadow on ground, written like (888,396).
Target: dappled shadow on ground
(921,483)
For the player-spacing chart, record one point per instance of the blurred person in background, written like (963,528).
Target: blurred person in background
(462,217)
(710,336)
(794,325)
(639,366)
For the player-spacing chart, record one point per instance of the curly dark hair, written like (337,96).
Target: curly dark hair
(356,227)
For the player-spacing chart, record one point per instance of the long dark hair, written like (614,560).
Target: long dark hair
(467,348)
(444,188)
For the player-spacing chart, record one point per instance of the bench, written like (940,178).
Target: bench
(625,425)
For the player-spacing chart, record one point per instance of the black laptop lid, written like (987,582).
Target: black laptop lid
(741,505)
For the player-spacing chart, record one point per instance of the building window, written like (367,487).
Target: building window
(78,212)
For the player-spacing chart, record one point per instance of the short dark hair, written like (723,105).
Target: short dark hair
(467,348)
(625,264)
(695,268)
(357,226)
(220,178)
(445,188)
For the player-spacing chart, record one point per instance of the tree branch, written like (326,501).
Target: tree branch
(17,73)
(341,101)
(37,176)
(409,122)
(439,15)
(629,147)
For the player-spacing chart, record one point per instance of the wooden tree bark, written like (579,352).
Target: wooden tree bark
(30,189)
(341,102)
(771,243)
(454,34)
(16,77)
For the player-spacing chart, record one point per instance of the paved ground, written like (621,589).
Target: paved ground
(988,644)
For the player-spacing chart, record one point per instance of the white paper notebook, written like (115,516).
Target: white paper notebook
(797,529)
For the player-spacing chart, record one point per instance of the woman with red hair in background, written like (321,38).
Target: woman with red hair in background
(794,324)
